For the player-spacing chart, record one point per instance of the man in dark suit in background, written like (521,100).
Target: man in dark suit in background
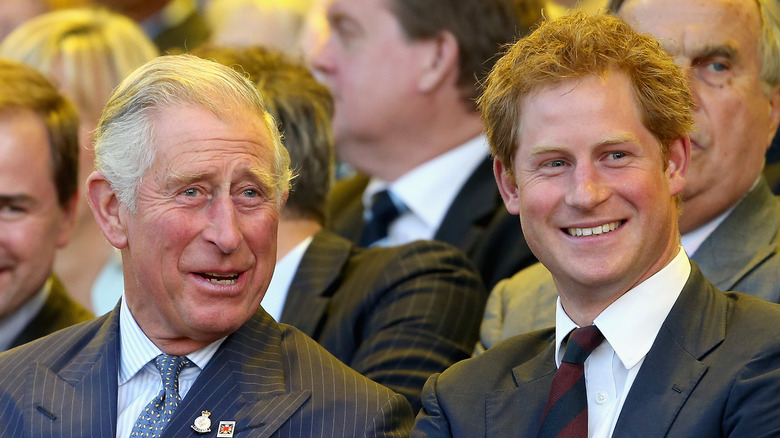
(191,177)
(396,315)
(404,75)
(38,168)
(588,122)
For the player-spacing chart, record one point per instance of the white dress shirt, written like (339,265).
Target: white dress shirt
(428,191)
(284,273)
(14,324)
(630,326)
(139,381)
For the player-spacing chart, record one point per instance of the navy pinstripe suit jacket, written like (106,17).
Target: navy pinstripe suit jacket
(269,378)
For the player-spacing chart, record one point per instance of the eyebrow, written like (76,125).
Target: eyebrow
(618,139)
(727,51)
(16,199)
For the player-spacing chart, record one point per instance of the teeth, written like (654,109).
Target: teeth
(220,279)
(595,231)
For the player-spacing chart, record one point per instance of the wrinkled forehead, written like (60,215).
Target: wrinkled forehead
(195,134)
(687,28)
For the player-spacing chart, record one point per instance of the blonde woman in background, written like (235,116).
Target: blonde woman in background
(87,52)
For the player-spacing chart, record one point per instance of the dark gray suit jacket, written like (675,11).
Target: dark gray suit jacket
(396,315)
(59,311)
(742,254)
(713,371)
(267,377)
(477,223)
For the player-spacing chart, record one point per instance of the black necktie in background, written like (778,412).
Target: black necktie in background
(383,213)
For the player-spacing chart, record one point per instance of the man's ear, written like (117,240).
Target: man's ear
(507,186)
(106,208)
(678,161)
(440,62)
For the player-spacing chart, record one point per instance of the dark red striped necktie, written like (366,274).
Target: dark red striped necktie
(566,412)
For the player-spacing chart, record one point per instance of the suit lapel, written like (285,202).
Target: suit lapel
(308,296)
(747,235)
(79,398)
(533,380)
(472,209)
(244,382)
(673,367)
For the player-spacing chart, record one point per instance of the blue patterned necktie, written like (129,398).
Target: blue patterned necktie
(158,412)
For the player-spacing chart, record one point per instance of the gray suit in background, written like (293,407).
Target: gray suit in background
(742,254)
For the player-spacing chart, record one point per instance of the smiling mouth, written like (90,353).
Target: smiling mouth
(223,279)
(594,231)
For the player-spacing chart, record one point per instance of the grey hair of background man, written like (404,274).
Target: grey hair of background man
(769,43)
(124,138)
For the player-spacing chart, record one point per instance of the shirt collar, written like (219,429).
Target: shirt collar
(429,189)
(136,350)
(633,321)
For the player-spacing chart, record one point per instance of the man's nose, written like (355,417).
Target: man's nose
(321,58)
(224,230)
(587,189)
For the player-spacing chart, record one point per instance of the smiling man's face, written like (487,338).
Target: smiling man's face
(593,191)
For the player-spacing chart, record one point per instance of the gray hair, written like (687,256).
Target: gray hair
(124,148)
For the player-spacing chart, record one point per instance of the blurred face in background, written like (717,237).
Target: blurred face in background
(32,223)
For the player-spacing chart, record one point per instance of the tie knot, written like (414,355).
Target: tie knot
(383,208)
(169,367)
(582,342)
(384,211)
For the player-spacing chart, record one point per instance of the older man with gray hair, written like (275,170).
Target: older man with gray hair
(191,177)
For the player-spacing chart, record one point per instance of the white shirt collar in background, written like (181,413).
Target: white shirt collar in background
(428,190)
(284,273)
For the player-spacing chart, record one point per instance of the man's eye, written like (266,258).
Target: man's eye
(617,155)
(717,66)
(12,209)
(250,193)
(556,163)
(191,193)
